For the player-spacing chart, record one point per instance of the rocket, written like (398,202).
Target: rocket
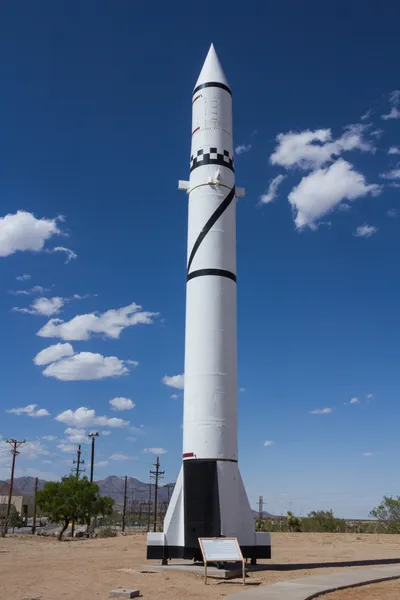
(209,498)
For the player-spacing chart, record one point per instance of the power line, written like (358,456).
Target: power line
(156,475)
(15,444)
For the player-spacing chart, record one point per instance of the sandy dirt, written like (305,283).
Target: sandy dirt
(389,590)
(41,568)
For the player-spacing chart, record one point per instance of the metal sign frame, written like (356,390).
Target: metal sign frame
(222,558)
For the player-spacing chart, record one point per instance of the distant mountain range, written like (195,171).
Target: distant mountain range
(111,486)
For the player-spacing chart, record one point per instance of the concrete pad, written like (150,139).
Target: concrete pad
(124,593)
(195,569)
(307,588)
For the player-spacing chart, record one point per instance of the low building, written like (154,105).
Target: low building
(22,503)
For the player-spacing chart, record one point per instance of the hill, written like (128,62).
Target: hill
(112,486)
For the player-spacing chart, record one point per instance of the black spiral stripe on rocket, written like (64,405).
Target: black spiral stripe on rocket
(211,221)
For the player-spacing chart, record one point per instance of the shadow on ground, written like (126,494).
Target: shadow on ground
(322,565)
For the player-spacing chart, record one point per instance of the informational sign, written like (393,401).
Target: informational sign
(221,550)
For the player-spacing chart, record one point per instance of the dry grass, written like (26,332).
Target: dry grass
(86,569)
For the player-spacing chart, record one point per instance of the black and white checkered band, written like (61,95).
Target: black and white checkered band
(213,157)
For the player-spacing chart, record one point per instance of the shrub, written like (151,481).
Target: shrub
(106,532)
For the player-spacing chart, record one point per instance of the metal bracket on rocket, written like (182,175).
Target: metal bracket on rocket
(183,185)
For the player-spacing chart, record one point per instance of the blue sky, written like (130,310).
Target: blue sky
(95,132)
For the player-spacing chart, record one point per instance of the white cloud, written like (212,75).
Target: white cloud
(394,101)
(272,189)
(392,150)
(366,115)
(131,439)
(367,453)
(119,456)
(41,412)
(176,381)
(82,296)
(33,450)
(365,231)
(243,148)
(70,254)
(269,443)
(155,451)
(321,411)
(77,436)
(22,231)
(87,366)
(53,353)
(394,113)
(43,307)
(242,390)
(85,417)
(313,149)
(392,213)
(322,191)
(101,463)
(20,411)
(69,448)
(47,462)
(106,432)
(174,396)
(354,401)
(30,410)
(393,174)
(369,396)
(29,450)
(25,276)
(36,289)
(121,404)
(49,438)
(110,323)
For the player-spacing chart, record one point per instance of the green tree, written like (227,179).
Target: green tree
(388,514)
(15,520)
(72,499)
(294,523)
(325,521)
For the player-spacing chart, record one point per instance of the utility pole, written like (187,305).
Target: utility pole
(156,475)
(149,509)
(78,462)
(92,435)
(140,514)
(124,510)
(34,507)
(15,444)
(169,485)
(260,506)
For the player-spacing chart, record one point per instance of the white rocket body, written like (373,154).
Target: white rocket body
(210,396)
(209,499)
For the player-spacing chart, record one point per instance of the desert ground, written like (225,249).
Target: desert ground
(42,568)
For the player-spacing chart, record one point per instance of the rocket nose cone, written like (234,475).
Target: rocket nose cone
(212,70)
